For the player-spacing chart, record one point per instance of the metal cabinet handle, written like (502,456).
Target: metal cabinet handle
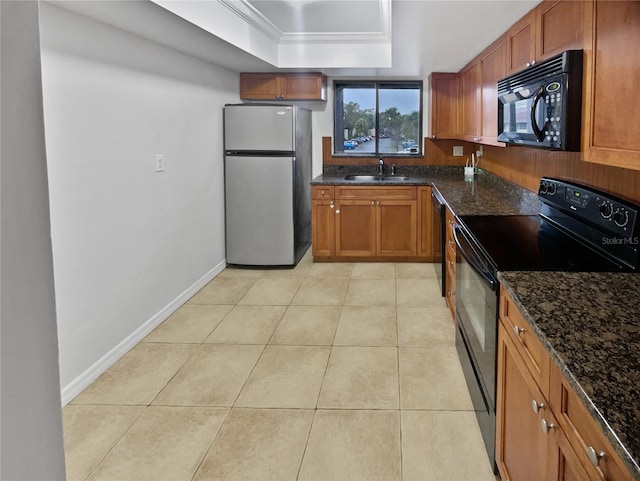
(528,64)
(337,211)
(322,192)
(536,406)
(546,427)
(595,456)
(518,330)
(377,202)
(533,62)
(373,202)
(433,136)
(331,205)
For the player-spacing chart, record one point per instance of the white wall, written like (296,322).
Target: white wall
(129,244)
(31,445)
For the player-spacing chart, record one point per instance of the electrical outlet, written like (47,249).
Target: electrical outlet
(458,151)
(479,152)
(159,162)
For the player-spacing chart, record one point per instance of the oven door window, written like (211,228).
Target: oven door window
(477,309)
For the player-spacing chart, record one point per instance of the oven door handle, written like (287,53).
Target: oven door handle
(473,260)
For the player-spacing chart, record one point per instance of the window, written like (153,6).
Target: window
(378,118)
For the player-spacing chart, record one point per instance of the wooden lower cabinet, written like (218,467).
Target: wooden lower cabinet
(396,226)
(543,430)
(450,261)
(371,223)
(521,445)
(356,228)
(323,228)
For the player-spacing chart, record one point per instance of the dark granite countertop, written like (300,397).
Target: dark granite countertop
(590,325)
(487,194)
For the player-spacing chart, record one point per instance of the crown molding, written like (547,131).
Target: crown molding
(250,15)
(253,17)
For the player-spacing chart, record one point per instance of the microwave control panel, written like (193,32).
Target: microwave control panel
(553,113)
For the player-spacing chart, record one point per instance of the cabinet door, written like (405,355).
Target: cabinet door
(256,86)
(610,110)
(396,222)
(355,228)
(560,26)
(562,462)
(425,224)
(520,441)
(444,105)
(305,86)
(521,44)
(492,68)
(470,114)
(323,230)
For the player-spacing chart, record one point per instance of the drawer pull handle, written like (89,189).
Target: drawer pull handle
(331,205)
(322,192)
(595,456)
(518,330)
(536,406)
(373,202)
(337,211)
(546,427)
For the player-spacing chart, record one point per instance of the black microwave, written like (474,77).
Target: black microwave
(542,105)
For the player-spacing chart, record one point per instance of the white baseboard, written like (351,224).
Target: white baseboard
(76,386)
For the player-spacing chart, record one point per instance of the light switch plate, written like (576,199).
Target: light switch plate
(458,151)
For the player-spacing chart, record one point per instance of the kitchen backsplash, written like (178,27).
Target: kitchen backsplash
(521,165)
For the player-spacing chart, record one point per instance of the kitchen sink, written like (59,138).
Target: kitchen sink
(376,178)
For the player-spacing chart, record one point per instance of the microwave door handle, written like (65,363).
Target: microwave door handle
(534,123)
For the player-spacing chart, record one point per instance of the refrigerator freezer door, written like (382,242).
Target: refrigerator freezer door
(259,128)
(259,210)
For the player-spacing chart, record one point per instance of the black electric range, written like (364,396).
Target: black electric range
(578,229)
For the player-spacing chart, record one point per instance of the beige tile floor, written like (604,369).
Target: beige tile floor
(325,372)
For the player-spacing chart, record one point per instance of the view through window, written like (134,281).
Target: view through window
(376,118)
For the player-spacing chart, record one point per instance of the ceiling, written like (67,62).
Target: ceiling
(342,38)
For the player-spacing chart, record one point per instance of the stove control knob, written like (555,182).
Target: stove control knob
(621,217)
(551,188)
(606,209)
(543,187)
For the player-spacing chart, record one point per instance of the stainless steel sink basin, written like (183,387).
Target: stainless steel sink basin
(376,178)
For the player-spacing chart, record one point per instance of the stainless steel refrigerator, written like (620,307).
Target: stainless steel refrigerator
(267,167)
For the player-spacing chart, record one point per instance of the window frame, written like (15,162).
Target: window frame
(377,85)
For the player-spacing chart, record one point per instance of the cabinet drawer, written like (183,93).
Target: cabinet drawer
(322,191)
(451,258)
(583,433)
(526,341)
(378,193)
(450,220)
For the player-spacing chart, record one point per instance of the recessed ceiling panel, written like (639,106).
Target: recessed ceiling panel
(322,16)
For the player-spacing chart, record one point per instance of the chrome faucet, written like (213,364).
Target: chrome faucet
(381,167)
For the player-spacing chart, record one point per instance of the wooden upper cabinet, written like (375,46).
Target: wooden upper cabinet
(444,105)
(560,26)
(470,102)
(549,29)
(610,118)
(492,68)
(287,86)
(521,43)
